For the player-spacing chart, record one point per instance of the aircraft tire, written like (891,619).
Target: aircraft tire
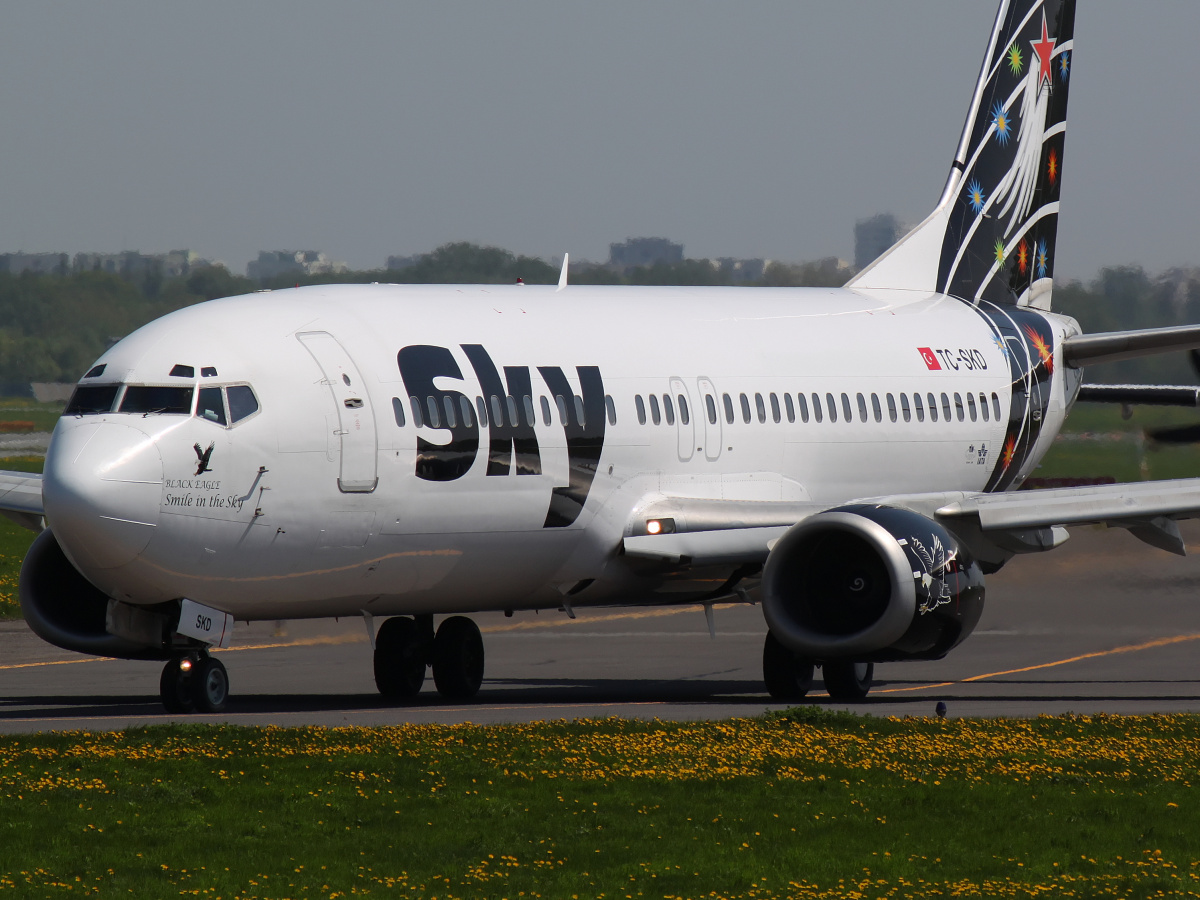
(458,659)
(209,685)
(400,654)
(173,689)
(848,681)
(788,675)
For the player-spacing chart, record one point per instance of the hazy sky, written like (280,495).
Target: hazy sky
(739,129)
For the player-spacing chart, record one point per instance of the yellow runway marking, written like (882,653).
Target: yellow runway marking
(56,662)
(1129,648)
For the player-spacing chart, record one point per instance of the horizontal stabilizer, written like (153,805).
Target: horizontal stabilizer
(1114,346)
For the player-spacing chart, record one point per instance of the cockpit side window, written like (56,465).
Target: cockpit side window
(92,400)
(211,405)
(242,402)
(148,398)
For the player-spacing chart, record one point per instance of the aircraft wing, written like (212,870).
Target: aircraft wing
(690,532)
(21,499)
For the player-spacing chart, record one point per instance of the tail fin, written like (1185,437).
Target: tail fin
(993,233)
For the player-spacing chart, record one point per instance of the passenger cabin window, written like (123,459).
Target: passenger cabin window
(611,409)
(945,407)
(862,407)
(497,411)
(481,411)
(530,415)
(669,409)
(655,414)
(876,408)
(727,402)
(920,409)
(92,399)
(684,416)
(816,401)
(803,407)
(831,407)
(561,403)
(210,405)
(775,413)
(548,419)
(147,399)
(745,409)
(434,419)
(761,408)
(464,405)
(710,406)
(640,405)
(971,407)
(580,417)
(891,402)
(958,406)
(996,406)
(451,415)
(846,413)
(415,405)
(398,411)
(789,407)
(905,411)
(983,408)
(933,412)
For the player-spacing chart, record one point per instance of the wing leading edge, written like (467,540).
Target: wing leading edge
(21,499)
(1014,522)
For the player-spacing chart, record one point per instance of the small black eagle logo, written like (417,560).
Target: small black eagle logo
(203,456)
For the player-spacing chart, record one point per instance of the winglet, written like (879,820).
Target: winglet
(562,276)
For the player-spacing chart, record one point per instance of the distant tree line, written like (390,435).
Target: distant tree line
(53,326)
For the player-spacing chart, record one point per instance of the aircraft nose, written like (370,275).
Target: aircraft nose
(101,490)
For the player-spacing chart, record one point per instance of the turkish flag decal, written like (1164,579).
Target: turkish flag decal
(929,357)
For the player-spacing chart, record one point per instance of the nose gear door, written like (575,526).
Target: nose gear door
(355,418)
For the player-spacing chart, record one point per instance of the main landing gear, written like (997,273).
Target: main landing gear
(789,676)
(194,683)
(405,646)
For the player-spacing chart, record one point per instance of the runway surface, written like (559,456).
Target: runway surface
(1104,624)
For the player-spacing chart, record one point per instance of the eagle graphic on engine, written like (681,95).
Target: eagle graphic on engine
(935,563)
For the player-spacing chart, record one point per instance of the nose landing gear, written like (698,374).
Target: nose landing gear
(193,683)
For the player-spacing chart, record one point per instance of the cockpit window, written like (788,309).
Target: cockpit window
(144,398)
(242,402)
(92,399)
(211,405)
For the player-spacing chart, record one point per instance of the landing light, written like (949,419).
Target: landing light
(660,526)
(185,665)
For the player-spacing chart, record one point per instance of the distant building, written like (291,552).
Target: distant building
(741,269)
(38,263)
(131,264)
(873,236)
(643,252)
(272,263)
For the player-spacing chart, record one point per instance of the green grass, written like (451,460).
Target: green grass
(21,409)
(807,805)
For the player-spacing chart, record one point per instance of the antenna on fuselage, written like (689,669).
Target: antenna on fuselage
(562,276)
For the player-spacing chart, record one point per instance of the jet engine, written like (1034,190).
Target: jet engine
(871,583)
(65,609)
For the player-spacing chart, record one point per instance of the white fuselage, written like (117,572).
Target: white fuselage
(313,505)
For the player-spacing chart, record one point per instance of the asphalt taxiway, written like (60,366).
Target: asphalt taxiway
(1103,624)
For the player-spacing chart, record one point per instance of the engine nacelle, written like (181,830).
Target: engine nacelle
(871,583)
(65,609)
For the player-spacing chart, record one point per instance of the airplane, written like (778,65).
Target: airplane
(847,458)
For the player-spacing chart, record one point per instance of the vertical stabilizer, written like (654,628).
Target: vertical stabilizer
(993,233)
